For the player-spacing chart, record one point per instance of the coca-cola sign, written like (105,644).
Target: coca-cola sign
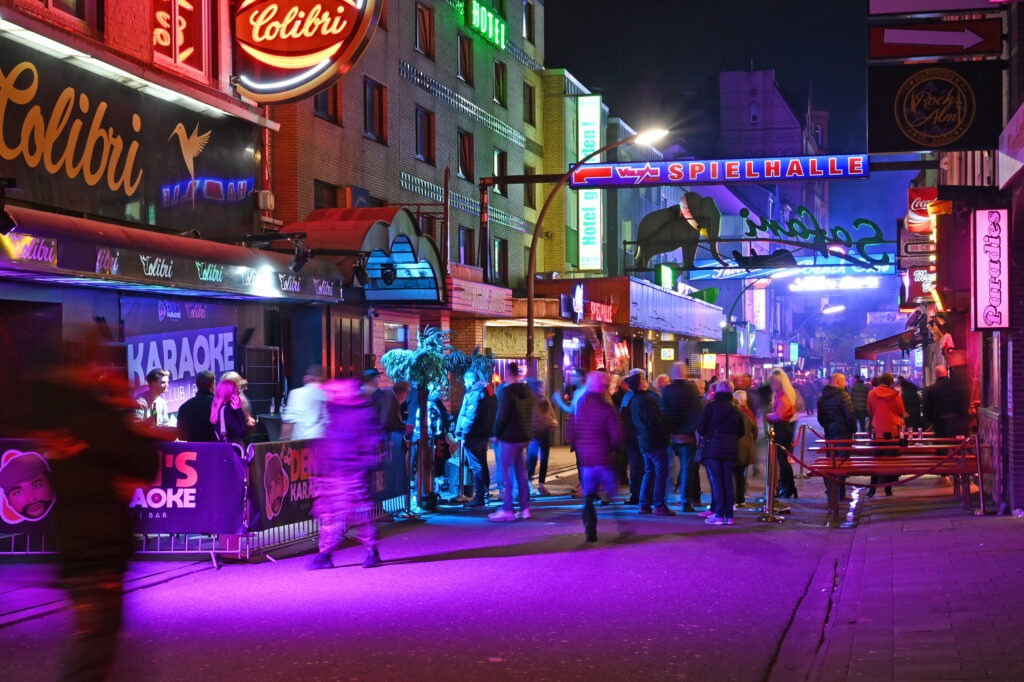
(288,49)
(918,201)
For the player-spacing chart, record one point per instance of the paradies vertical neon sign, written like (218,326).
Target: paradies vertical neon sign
(288,49)
(591,222)
(990,266)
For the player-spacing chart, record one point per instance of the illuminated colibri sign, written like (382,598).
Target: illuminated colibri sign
(720,172)
(591,220)
(990,307)
(806,265)
(485,22)
(820,283)
(288,49)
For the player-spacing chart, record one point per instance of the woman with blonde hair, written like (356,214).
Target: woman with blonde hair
(782,417)
(227,414)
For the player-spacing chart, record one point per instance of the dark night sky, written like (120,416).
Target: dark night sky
(681,45)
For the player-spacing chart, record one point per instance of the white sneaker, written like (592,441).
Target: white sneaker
(714,521)
(707,513)
(501,515)
(523,513)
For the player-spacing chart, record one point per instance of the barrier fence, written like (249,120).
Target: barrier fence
(211,498)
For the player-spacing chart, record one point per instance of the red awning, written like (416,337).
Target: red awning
(870,351)
(401,263)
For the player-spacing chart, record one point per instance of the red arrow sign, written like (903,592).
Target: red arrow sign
(935,39)
(580,176)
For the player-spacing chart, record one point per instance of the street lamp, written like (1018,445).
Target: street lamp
(647,137)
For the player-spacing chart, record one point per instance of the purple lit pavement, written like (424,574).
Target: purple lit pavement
(920,590)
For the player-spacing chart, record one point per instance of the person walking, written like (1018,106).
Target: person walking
(745,451)
(911,395)
(859,396)
(349,451)
(681,403)
(886,409)
(512,435)
(473,430)
(782,417)
(305,412)
(653,438)
(194,414)
(596,438)
(98,458)
(721,426)
(542,427)
(945,405)
(836,415)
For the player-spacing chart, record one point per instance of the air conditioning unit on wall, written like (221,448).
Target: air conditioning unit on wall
(265,200)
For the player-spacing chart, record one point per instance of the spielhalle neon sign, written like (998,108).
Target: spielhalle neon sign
(288,49)
(720,172)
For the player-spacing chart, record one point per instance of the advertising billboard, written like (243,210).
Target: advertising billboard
(591,218)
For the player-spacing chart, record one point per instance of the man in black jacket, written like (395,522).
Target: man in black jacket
(836,414)
(194,414)
(653,437)
(512,430)
(681,403)
(473,429)
(946,405)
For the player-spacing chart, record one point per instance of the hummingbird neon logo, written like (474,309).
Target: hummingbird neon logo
(191,147)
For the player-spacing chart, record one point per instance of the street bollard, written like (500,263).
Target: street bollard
(771,482)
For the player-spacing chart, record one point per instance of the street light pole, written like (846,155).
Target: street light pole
(646,137)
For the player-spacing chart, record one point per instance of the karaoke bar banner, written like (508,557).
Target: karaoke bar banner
(199,489)
(719,172)
(280,485)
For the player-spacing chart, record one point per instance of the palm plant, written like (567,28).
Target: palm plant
(428,369)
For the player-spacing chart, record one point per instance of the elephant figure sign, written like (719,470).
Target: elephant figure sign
(681,226)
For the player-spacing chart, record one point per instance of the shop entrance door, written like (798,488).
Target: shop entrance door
(30,342)
(349,357)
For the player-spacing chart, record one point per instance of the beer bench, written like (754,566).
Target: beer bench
(838,459)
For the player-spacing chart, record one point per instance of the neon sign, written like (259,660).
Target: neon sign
(486,23)
(990,308)
(819,283)
(590,201)
(289,49)
(720,172)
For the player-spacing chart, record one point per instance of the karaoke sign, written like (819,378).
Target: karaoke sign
(720,172)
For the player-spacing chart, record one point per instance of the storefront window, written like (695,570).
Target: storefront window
(396,336)
(993,372)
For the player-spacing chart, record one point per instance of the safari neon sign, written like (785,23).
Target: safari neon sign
(289,49)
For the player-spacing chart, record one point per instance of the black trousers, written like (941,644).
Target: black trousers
(475,450)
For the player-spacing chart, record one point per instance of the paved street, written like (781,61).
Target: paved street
(916,592)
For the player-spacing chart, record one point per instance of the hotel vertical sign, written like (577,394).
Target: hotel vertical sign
(589,200)
(990,273)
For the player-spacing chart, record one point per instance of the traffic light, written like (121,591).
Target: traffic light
(779,351)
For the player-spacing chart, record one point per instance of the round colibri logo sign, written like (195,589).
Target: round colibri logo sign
(935,107)
(288,49)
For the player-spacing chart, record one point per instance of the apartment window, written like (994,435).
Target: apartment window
(425,29)
(181,34)
(327,104)
(529,104)
(465,169)
(375,110)
(529,20)
(425,135)
(430,226)
(500,82)
(467,256)
(85,10)
(529,189)
(466,59)
(325,195)
(499,260)
(499,169)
